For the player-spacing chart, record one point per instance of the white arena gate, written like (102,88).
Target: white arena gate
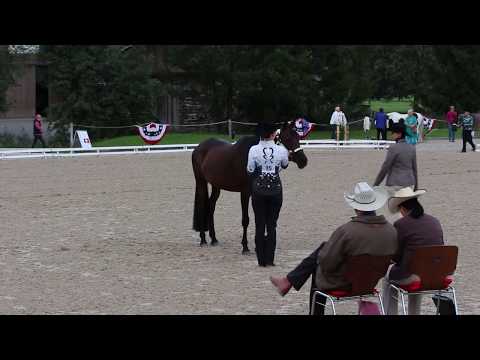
(158,149)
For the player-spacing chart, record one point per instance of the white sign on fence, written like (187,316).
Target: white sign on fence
(84,139)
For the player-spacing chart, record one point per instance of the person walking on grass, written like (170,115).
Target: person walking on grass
(467,122)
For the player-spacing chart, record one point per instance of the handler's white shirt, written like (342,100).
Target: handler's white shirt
(268,156)
(338,118)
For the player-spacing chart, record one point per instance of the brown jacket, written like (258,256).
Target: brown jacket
(400,166)
(371,235)
(413,233)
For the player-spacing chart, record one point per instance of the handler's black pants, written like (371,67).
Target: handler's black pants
(299,276)
(36,138)
(467,137)
(267,210)
(383,132)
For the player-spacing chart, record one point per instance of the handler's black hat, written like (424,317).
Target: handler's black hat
(398,128)
(265,129)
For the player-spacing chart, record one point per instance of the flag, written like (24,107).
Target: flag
(303,127)
(152,133)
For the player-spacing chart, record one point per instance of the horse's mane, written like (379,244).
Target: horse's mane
(247,141)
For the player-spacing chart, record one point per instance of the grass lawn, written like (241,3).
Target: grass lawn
(388,106)
(195,138)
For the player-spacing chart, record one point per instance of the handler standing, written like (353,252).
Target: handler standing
(400,165)
(265,161)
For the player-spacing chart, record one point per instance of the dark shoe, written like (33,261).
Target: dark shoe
(282,284)
(270,264)
(464,151)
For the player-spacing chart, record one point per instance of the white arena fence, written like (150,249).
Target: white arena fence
(157,149)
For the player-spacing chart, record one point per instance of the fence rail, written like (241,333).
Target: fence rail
(157,149)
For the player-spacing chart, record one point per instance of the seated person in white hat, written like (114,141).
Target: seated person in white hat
(414,229)
(366,233)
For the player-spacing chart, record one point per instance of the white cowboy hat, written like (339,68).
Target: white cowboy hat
(366,198)
(403,195)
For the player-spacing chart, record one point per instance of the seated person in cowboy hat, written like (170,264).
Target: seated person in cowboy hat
(414,229)
(365,233)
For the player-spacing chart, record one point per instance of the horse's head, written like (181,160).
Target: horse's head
(291,140)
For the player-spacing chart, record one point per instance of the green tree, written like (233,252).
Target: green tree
(239,82)
(454,79)
(8,72)
(100,86)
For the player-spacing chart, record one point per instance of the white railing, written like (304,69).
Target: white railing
(156,149)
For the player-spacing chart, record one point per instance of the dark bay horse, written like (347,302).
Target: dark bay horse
(224,166)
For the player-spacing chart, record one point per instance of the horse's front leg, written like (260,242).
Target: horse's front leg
(245,197)
(213,201)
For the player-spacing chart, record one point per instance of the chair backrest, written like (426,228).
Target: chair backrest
(364,272)
(432,264)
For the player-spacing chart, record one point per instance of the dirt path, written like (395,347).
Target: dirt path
(112,235)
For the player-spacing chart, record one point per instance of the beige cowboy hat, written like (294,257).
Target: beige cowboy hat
(366,198)
(401,196)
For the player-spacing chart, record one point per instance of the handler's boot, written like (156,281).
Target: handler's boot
(282,284)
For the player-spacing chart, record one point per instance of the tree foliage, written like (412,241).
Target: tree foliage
(8,72)
(99,85)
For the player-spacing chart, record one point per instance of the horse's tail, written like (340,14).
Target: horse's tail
(200,208)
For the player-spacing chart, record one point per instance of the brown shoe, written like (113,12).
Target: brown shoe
(282,284)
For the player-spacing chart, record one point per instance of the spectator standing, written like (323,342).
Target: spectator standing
(451,122)
(37,130)
(381,124)
(338,119)
(366,126)
(467,122)
(411,125)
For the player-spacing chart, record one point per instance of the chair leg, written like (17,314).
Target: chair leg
(403,303)
(314,303)
(382,309)
(333,305)
(455,301)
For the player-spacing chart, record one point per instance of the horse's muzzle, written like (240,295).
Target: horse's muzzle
(299,158)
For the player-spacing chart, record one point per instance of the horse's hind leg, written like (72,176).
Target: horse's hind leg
(212,202)
(245,196)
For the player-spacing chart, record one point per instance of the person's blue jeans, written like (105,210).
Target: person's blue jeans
(451,133)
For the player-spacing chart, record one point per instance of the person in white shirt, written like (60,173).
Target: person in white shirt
(265,162)
(366,126)
(338,119)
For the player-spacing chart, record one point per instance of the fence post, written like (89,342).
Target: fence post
(230,128)
(71,135)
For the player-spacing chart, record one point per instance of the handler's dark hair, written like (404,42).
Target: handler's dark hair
(399,129)
(414,207)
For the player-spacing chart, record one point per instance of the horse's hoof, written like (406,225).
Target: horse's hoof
(202,244)
(214,243)
(245,252)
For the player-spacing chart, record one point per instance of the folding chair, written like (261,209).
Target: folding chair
(363,272)
(434,265)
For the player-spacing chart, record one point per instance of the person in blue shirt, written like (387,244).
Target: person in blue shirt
(381,124)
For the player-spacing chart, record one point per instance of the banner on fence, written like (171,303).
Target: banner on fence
(303,127)
(83,138)
(152,133)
